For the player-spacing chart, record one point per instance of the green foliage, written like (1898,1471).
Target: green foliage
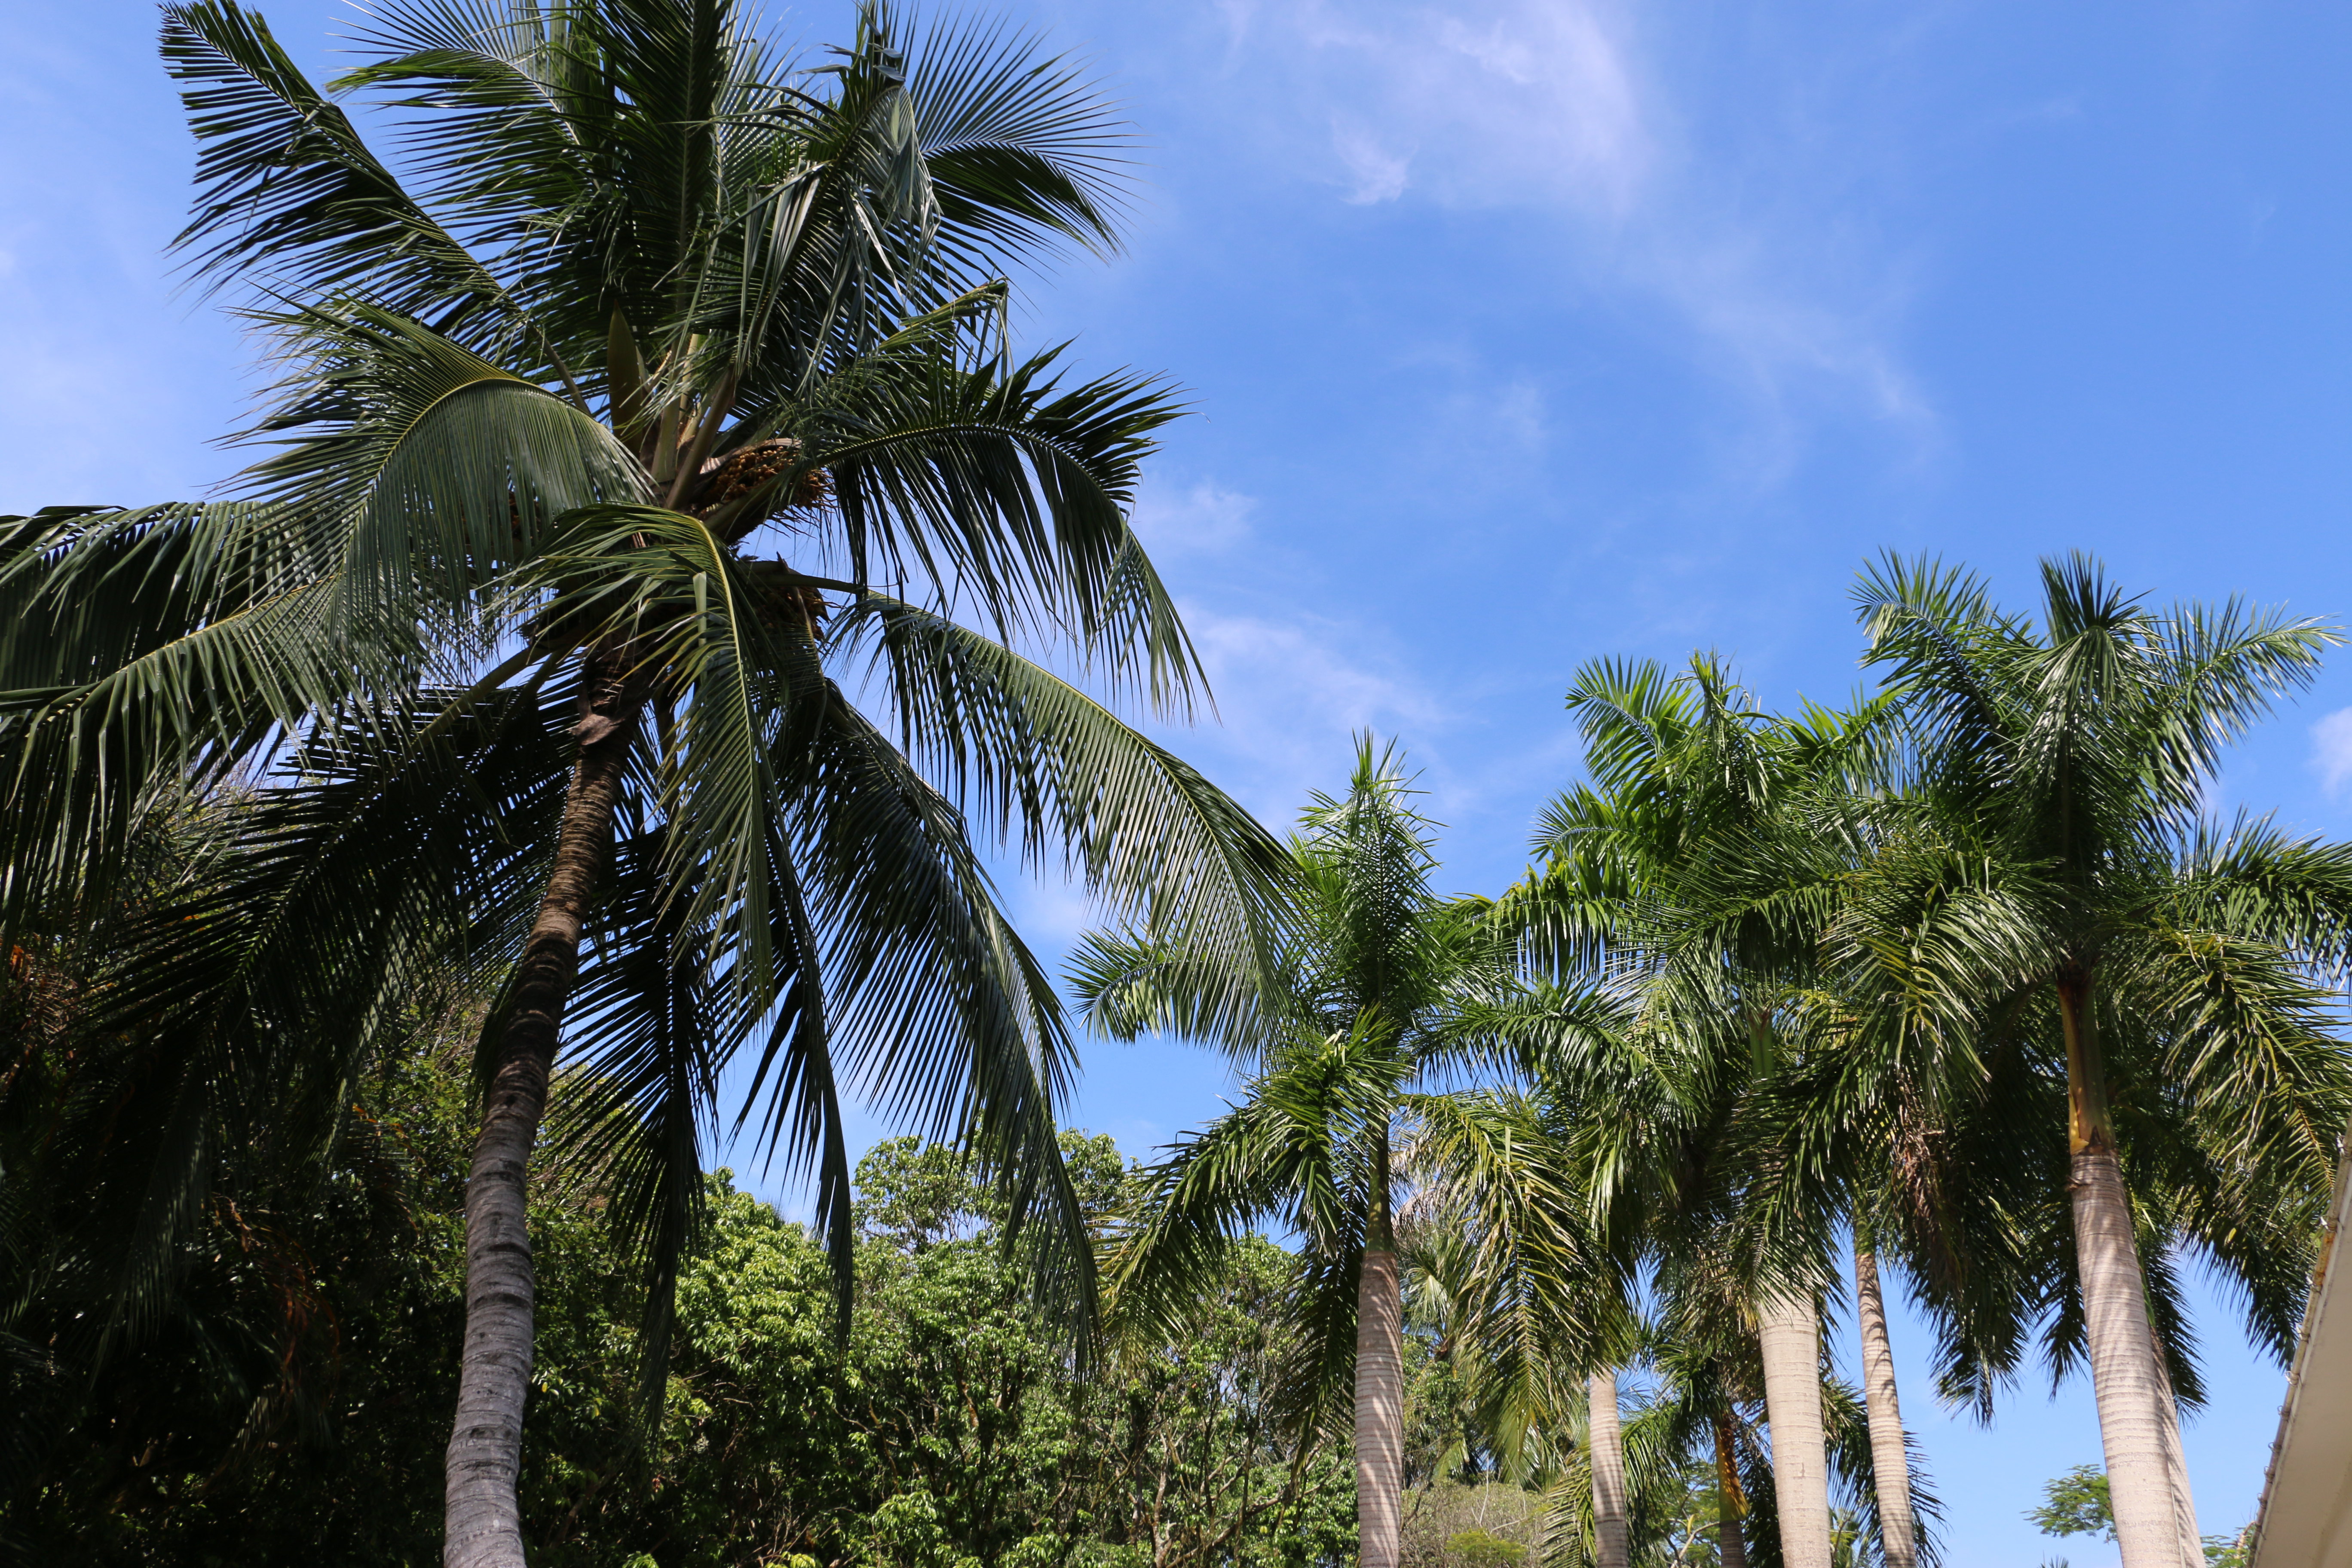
(2230,1550)
(301,1350)
(626,297)
(947,1431)
(2053,841)
(1372,975)
(1477,1549)
(2075,1503)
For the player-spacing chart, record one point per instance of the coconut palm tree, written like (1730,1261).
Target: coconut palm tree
(636,296)
(1358,1023)
(2168,971)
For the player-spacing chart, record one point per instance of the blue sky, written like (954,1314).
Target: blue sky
(1522,333)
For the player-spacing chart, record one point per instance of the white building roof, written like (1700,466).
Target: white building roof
(2306,1520)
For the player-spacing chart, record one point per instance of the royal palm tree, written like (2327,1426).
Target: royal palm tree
(1502,1199)
(2168,972)
(1537,1314)
(635,297)
(1654,871)
(1641,1128)
(1357,1024)
(1702,1350)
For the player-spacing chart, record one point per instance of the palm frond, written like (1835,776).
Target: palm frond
(153,653)
(289,190)
(943,1013)
(439,469)
(1022,150)
(1042,766)
(1006,490)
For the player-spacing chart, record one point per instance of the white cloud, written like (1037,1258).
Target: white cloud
(1293,675)
(2331,749)
(1535,99)
(1555,83)
(1203,518)
(1520,413)
(1294,692)
(1048,910)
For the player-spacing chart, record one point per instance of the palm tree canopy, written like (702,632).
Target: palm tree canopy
(632,297)
(2055,833)
(1373,974)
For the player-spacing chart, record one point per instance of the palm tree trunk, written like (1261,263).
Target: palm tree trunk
(1790,1336)
(1607,1443)
(2134,1410)
(482,1518)
(2184,1506)
(1730,1502)
(1380,1411)
(1890,1465)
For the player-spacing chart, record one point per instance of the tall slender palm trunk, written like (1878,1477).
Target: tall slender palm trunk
(2138,1422)
(1607,1445)
(1890,1464)
(1380,1411)
(1789,1332)
(1380,1381)
(482,1518)
(1730,1499)
(2184,1508)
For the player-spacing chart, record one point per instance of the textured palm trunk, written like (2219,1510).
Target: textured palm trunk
(1790,1336)
(1890,1464)
(2138,1423)
(1608,1456)
(1730,1500)
(482,1520)
(1380,1411)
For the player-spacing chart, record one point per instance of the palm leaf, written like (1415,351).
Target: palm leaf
(440,468)
(287,187)
(1042,766)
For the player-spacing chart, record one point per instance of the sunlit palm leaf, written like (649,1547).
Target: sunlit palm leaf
(1162,850)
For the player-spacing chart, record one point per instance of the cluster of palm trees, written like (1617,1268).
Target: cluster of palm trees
(637,609)
(1961,980)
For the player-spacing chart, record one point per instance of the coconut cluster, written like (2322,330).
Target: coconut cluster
(790,600)
(745,469)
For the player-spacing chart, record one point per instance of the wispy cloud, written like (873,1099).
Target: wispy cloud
(1294,692)
(1749,227)
(1374,173)
(1290,694)
(1202,518)
(2331,749)
(1534,100)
